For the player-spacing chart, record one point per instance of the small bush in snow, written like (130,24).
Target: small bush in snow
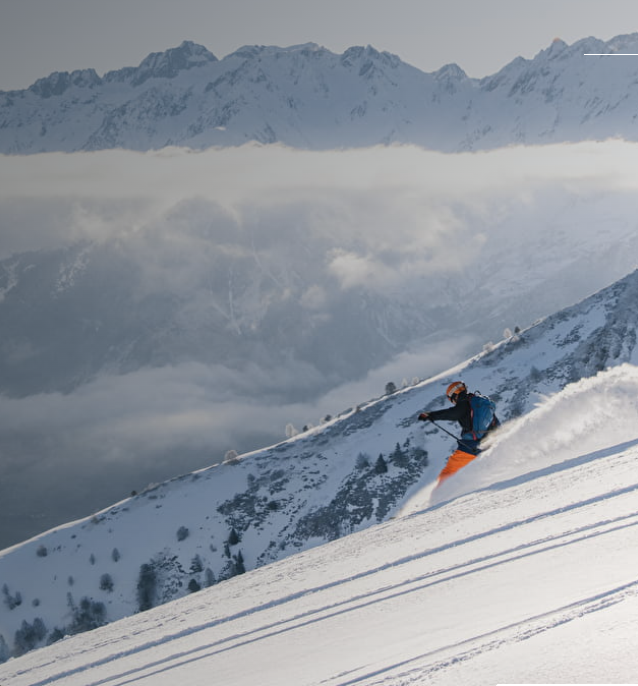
(182,533)
(42,551)
(11,601)
(88,616)
(535,374)
(55,636)
(28,636)
(231,457)
(106,583)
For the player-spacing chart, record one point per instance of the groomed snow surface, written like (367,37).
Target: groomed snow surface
(523,568)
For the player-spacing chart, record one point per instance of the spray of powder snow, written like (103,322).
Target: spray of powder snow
(586,416)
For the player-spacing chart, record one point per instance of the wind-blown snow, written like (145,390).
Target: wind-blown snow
(525,576)
(592,415)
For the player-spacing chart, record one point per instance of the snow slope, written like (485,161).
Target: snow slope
(190,533)
(524,572)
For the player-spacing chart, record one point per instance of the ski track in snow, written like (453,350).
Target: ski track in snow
(479,645)
(447,594)
(536,533)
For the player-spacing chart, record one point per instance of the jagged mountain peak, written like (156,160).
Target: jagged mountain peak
(627,42)
(167,64)
(590,45)
(252,51)
(171,62)
(58,82)
(451,72)
(368,53)
(556,47)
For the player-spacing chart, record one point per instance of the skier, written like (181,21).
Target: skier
(471,432)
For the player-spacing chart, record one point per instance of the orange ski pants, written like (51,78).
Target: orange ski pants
(457,460)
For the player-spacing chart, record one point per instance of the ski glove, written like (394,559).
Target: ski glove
(424,417)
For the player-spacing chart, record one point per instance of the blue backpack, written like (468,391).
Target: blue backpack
(483,415)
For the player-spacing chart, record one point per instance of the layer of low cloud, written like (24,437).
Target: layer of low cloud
(390,213)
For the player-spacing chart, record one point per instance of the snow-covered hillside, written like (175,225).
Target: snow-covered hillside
(308,97)
(353,472)
(525,573)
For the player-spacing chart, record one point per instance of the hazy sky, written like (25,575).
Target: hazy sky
(38,37)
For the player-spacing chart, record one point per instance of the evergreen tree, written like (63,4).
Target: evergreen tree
(210,577)
(380,466)
(362,462)
(4,650)
(197,565)
(239,563)
(399,457)
(146,587)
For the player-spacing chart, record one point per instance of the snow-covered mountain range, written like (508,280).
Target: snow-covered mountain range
(139,314)
(355,471)
(306,96)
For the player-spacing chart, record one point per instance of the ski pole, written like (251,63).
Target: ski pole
(449,433)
